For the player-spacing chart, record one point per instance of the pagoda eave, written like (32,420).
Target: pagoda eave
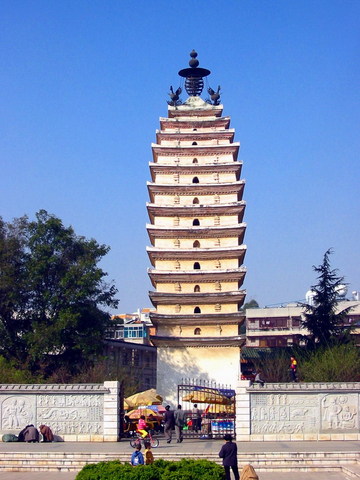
(192,276)
(189,111)
(196,210)
(176,123)
(236,188)
(195,136)
(195,168)
(196,232)
(194,150)
(161,298)
(198,253)
(198,341)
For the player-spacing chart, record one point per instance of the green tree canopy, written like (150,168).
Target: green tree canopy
(323,319)
(53,295)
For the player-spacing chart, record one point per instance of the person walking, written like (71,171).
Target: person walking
(180,420)
(228,453)
(293,369)
(169,423)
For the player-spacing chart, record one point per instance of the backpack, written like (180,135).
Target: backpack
(9,437)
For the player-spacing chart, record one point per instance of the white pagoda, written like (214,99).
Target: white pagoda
(196,232)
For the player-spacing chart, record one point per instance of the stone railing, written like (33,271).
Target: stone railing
(79,412)
(297,411)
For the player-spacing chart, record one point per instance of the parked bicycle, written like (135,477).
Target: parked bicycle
(138,439)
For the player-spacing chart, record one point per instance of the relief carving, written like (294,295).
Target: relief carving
(339,412)
(16,413)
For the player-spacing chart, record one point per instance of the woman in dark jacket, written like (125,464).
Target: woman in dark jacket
(228,453)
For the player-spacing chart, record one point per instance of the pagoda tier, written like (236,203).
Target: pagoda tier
(190,124)
(219,342)
(199,210)
(216,136)
(196,276)
(198,320)
(194,298)
(196,232)
(195,189)
(175,151)
(193,169)
(196,253)
(215,111)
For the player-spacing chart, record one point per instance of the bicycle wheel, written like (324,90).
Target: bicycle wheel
(134,442)
(154,442)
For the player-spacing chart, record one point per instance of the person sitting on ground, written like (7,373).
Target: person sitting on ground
(149,457)
(258,378)
(31,434)
(142,427)
(137,458)
(46,433)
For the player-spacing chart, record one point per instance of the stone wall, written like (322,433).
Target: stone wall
(297,411)
(77,413)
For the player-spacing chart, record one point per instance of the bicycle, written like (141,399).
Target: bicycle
(139,440)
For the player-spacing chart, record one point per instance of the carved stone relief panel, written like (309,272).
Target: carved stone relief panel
(278,413)
(340,413)
(283,413)
(71,414)
(16,411)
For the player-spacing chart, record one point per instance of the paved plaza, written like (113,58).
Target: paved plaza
(185,449)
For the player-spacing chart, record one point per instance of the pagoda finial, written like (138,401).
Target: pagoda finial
(194,75)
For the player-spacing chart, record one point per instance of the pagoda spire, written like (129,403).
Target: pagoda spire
(194,75)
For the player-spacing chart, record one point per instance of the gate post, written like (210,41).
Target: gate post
(243,414)
(111,412)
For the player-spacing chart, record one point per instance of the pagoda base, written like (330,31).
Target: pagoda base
(217,364)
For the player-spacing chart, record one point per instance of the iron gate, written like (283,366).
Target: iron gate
(210,409)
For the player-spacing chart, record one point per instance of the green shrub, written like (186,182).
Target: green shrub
(340,363)
(159,470)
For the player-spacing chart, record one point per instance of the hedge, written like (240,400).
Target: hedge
(159,470)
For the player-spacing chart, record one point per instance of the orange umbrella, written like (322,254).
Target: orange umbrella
(140,411)
(148,397)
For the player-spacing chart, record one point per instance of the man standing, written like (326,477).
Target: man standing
(196,418)
(228,453)
(180,420)
(169,423)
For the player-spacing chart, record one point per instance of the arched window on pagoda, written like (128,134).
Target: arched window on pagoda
(176,221)
(197,310)
(218,307)
(216,199)
(176,199)
(196,244)
(196,222)
(195,180)
(177,265)
(196,201)
(194,143)
(216,220)
(197,288)
(197,331)
(177,287)
(218,286)
(177,243)
(177,308)
(195,160)
(196,266)
(194,129)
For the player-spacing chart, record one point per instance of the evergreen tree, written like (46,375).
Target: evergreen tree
(323,319)
(52,296)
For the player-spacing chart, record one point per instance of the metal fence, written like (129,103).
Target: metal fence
(210,408)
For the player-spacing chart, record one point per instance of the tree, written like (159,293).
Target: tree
(323,320)
(52,295)
(251,304)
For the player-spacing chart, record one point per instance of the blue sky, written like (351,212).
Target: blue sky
(83,84)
